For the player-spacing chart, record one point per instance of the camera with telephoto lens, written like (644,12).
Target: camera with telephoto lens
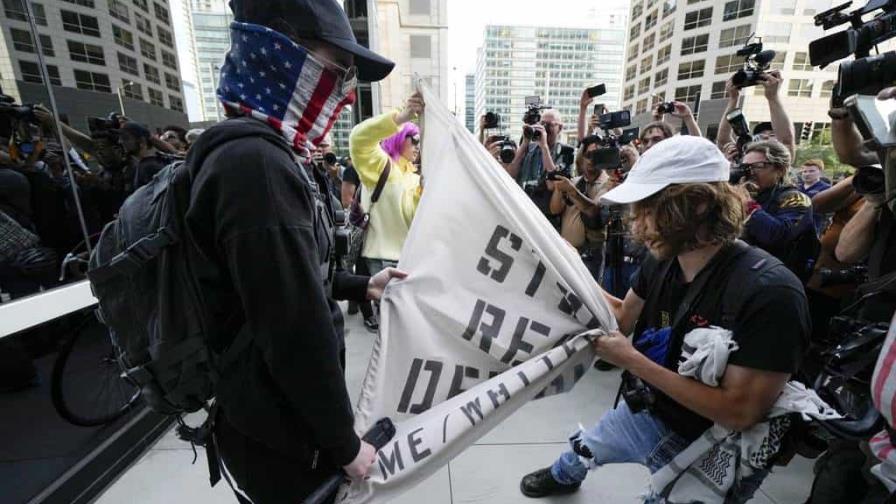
(492,120)
(855,274)
(507,147)
(866,74)
(12,111)
(741,131)
(756,63)
(108,127)
(532,117)
(607,156)
(567,158)
(869,180)
(331,159)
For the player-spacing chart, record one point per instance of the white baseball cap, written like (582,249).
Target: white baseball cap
(682,159)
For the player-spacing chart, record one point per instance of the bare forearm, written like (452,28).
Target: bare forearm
(79,140)
(849,144)
(858,235)
(781,124)
(557,203)
(724,137)
(513,169)
(580,124)
(722,406)
(835,198)
(691,123)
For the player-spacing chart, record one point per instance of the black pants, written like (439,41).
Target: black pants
(365,306)
(264,475)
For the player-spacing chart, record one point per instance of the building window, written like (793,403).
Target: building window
(421,46)
(123,37)
(633,52)
(80,23)
(827,88)
(165,37)
(778,62)
(650,20)
(669,7)
(661,77)
(637,9)
(642,106)
(786,7)
(801,88)
(82,3)
(813,7)
(691,69)
(156,97)
(729,63)
(694,45)
(169,60)
(86,53)
(119,10)
(644,85)
(15,10)
(142,4)
(649,41)
(132,90)
(148,49)
(421,7)
(92,81)
(718,90)
(31,73)
(175,103)
(698,18)
(687,94)
(128,64)
(143,24)
(734,36)
(161,12)
(21,40)
(663,55)
(777,32)
(151,73)
(801,62)
(630,72)
(46,43)
(647,64)
(634,31)
(738,9)
(666,31)
(629,92)
(172,82)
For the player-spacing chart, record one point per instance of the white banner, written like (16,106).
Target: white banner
(492,314)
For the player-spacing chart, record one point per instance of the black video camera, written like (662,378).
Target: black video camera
(614,120)
(666,108)
(865,75)
(756,63)
(855,274)
(492,120)
(607,156)
(107,127)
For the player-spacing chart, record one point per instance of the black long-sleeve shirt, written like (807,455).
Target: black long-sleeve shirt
(255,220)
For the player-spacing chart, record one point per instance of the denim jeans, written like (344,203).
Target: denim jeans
(625,437)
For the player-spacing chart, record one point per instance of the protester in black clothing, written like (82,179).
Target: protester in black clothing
(146,161)
(350,183)
(262,220)
(698,275)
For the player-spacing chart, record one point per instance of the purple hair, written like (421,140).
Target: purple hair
(392,145)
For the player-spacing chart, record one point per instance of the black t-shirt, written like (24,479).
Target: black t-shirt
(771,327)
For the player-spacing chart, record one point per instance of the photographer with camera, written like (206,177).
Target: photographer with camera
(779,216)
(780,128)
(678,110)
(145,160)
(541,153)
(576,202)
(698,275)
(327,164)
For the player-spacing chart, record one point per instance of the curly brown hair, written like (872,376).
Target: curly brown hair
(689,216)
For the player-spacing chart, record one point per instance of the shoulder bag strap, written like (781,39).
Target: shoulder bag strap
(381,183)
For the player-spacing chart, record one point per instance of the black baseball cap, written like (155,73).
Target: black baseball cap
(761,127)
(136,129)
(316,19)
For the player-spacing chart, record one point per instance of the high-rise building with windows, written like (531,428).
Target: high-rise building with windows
(685,49)
(413,34)
(94,51)
(470,102)
(211,40)
(555,64)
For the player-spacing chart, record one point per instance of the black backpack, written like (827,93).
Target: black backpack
(140,273)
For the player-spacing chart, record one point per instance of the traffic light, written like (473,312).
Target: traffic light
(806,132)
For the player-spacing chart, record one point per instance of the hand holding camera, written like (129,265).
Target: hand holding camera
(771,81)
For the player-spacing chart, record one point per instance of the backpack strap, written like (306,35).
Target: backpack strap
(136,256)
(380,184)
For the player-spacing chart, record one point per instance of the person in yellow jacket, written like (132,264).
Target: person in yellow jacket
(386,139)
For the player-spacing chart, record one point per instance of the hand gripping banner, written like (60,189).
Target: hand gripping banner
(493,314)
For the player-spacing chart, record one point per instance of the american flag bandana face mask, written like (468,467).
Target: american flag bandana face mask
(271,78)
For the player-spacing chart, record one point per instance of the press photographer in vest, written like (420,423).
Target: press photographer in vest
(262,218)
(698,275)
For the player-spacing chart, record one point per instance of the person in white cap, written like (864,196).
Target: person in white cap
(698,275)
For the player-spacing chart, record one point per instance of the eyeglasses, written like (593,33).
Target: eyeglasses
(415,140)
(755,166)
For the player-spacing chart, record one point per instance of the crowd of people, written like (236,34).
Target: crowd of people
(681,232)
